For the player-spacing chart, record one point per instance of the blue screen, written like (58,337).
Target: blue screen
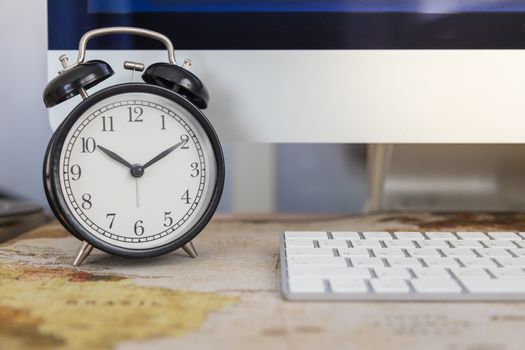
(231,6)
(295,25)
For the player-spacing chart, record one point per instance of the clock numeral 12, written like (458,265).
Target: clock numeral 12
(186,197)
(135,114)
(107,124)
(88,144)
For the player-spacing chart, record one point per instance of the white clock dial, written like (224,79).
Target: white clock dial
(137,170)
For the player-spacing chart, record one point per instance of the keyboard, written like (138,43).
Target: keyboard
(403,266)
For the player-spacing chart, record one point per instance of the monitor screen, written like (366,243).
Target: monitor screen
(290,24)
(357,71)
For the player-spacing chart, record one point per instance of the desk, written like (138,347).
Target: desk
(228,297)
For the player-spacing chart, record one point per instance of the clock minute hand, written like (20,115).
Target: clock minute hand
(115,156)
(163,154)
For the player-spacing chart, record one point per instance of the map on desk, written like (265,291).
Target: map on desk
(229,297)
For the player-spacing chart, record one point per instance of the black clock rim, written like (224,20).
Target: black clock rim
(47,187)
(52,180)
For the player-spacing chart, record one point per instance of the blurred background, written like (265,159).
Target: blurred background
(261,177)
(285,178)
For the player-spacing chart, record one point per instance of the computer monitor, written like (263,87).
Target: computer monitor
(355,71)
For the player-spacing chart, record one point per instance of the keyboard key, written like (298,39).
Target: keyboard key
(466,244)
(522,234)
(518,251)
(478,236)
(403,262)
(512,262)
(333,243)
(364,243)
(441,235)
(436,285)
(433,243)
(306,285)
(377,235)
(504,272)
(392,272)
(384,252)
(366,262)
(310,251)
(505,285)
(389,286)
(398,243)
(430,272)
(413,236)
(348,286)
(510,236)
(458,252)
(315,261)
(422,252)
(350,252)
(327,272)
(520,244)
(305,234)
(299,242)
(499,244)
(493,252)
(470,272)
(345,235)
(441,262)
(477,262)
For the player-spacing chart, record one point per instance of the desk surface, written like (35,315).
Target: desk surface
(228,298)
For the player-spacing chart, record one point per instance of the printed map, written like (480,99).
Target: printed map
(228,298)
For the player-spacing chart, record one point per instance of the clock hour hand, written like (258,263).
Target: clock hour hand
(163,154)
(115,156)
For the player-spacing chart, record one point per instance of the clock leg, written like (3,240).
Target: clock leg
(82,253)
(189,248)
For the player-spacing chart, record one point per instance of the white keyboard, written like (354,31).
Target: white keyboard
(403,265)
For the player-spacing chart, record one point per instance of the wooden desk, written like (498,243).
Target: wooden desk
(228,298)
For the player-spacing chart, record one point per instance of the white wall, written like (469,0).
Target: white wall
(24,126)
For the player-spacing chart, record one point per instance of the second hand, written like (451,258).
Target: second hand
(137,191)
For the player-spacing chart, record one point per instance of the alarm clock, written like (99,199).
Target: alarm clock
(135,169)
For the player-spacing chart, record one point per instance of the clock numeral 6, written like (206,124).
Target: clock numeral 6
(107,124)
(112,216)
(185,138)
(76,172)
(135,114)
(195,169)
(138,228)
(88,144)
(168,221)
(186,197)
(86,201)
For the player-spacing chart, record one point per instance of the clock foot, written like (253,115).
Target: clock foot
(189,248)
(82,253)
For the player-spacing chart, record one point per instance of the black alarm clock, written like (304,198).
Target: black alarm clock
(135,169)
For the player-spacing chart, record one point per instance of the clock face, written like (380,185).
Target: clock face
(137,170)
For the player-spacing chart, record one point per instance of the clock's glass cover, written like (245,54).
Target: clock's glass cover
(137,170)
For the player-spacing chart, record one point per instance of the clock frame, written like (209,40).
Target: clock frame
(55,194)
